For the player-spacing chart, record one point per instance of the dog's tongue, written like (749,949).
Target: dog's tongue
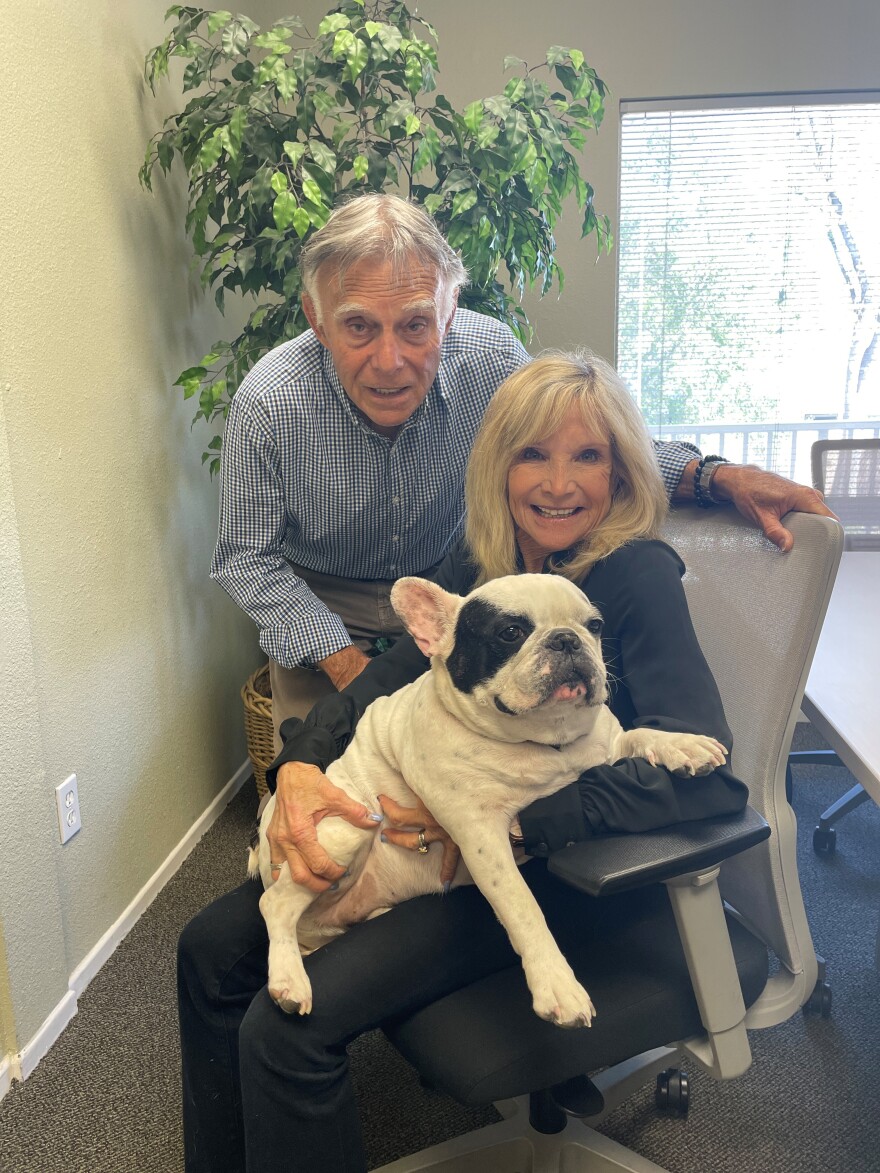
(566,692)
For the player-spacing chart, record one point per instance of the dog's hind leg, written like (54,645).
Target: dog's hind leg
(282,905)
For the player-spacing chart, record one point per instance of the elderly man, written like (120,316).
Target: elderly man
(345,449)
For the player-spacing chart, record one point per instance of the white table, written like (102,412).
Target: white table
(842,697)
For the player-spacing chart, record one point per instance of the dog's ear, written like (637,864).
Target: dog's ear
(428,613)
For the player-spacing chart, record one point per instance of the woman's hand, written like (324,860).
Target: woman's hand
(427,830)
(304,796)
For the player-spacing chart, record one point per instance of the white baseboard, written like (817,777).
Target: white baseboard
(20,1066)
(8,1072)
(46,1036)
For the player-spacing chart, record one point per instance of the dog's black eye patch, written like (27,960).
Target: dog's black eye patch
(485,639)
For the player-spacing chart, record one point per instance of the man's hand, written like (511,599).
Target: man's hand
(342,667)
(420,818)
(763,497)
(304,796)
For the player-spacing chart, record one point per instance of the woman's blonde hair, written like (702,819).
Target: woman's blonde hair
(529,406)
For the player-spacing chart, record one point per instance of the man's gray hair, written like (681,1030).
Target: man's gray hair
(383,228)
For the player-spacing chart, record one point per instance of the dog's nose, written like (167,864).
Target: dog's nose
(563,639)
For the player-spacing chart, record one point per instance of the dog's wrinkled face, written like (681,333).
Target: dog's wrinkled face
(516,644)
(527,641)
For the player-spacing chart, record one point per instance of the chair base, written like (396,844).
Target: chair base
(513,1146)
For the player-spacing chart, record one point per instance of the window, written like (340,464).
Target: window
(749,279)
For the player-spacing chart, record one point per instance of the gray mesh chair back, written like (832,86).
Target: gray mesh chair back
(848,473)
(757,614)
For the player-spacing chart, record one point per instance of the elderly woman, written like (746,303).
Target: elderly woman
(562,479)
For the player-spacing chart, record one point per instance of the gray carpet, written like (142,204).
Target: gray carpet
(808,1102)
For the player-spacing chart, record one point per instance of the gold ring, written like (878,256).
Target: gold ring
(423,846)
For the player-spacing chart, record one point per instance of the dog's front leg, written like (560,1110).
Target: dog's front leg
(282,905)
(557,995)
(685,754)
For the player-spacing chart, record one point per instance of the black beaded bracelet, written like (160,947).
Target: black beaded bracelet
(703,475)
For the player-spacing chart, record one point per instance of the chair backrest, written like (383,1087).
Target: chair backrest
(848,473)
(757,614)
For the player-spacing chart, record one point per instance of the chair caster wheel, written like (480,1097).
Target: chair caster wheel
(819,1001)
(672,1096)
(825,840)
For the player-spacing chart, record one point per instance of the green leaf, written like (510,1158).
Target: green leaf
(235,130)
(279,182)
(301,222)
(487,134)
(323,156)
(463,202)
(325,103)
(284,209)
(287,83)
(294,151)
(356,58)
(509,62)
(235,37)
(473,116)
(332,23)
(390,38)
(371,28)
(210,152)
(360,166)
(413,74)
(343,42)
(312,192)
(413,124)
(515,89)
(245,259)
(577,58)
(216,20)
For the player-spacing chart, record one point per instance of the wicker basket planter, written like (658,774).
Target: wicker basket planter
(257,697)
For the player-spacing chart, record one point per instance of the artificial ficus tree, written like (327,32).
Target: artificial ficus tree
(283,124)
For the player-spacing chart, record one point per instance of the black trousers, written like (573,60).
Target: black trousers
(267,1092)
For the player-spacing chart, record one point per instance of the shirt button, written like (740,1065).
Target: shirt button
(570,843)
(394,538)
(395,500)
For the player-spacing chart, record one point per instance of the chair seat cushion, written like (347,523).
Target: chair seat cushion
(484,1042)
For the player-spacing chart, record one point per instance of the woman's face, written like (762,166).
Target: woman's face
(559,488)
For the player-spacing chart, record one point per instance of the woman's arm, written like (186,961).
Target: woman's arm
(659,679)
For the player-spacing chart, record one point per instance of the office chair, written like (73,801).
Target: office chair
(848,473)
(679,965)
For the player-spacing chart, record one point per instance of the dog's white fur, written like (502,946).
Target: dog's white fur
(475,766)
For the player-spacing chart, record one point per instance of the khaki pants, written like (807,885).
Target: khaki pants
(366,611)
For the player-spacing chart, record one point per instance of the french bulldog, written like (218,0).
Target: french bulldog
(512,709)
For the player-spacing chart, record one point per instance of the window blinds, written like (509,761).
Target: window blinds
(749,259)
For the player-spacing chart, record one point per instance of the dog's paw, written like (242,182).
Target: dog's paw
(558,997)
(686,754)
(289,986)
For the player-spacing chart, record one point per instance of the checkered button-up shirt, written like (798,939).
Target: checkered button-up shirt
(305,481)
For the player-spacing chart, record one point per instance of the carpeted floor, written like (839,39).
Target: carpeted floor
(105,1100)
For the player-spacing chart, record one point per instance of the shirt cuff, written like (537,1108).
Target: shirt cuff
(554,822)
(673,458)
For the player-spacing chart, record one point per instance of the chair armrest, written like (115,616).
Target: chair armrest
(616,863)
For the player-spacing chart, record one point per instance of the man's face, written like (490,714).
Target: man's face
(384,334)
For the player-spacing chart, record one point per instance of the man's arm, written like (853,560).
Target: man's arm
(762,497)
(295,627)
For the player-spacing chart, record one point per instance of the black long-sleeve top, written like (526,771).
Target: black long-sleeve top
(658,678)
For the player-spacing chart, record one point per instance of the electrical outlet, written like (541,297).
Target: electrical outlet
(67,801)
